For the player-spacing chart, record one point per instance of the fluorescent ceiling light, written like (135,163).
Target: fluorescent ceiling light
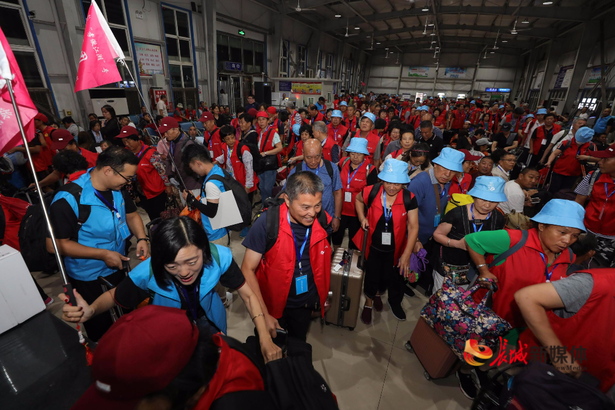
(425,9)
(357,28)
(526,21)
(547,3)
(378,43)
(337,16)
(504,41)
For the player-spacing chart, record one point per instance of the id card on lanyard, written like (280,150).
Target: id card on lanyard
(388,214)
(301,285)
(348,194)
(547,273)
(606,191)
(122,227)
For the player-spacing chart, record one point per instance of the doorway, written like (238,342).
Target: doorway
(236,87)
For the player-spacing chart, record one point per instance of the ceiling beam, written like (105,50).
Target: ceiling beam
(307,4)
(559,13)
(525,45)
(546,33)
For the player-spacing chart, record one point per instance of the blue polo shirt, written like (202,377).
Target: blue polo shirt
(331,185)
(422,188)
(600,125)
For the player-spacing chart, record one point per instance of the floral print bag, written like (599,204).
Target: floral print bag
(456,317)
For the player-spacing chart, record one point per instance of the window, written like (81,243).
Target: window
(250,53)
(284,58)
(590,103)
(319,65)
(301,61)
(349,78)
(179,48)
(113,10)
(17,31)
(329,66)
(343,77)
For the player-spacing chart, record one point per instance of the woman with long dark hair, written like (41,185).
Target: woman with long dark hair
(111,125)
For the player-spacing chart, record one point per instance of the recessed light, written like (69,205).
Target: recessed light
(547,3)
(369,36)
(492,52)
(378,43)
(425,9)
(357,28)
(504,41)
(526,21)
(432,34)
(337,16)
(430,24)
(386,48)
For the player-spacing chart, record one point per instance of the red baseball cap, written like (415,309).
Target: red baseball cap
(41,117)
(607,153)
(126,131)
(166,124)
(252,112)
(262,114)
(139,355)
(469,157)
(207,116)
(272,110)
(60,139)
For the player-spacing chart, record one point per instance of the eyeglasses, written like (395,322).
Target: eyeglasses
(129,180)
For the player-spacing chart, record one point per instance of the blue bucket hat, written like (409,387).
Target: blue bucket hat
(541,111)
(394,171)
(296,129)
(583,135)
(337,113)
(344,103)
(489,189)
(451,159)
(501,106)
(562,212)
(529,116)
(369,116)
(424,108)
(472,102)
(359,145)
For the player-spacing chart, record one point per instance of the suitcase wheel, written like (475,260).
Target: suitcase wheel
(351,328)
(427,376)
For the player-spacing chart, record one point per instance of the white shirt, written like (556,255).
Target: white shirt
(558,140)
(499,172)
(529,134)
(515,198)
(584,116)
(162,106)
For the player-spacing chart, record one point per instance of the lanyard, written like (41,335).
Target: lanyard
(388,213)
(110,206)
(502,169)
(229,152)
(173,143)
(461,189)
(473,223)
(317,169)
(547,273)
(260,139)
(140,152)
(335,130)
(297,249)
(606,190)
(350,178)
(189,303)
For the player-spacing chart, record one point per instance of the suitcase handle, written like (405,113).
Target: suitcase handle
(345,303)
(361,261)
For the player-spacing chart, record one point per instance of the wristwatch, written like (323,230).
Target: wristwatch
(338,218)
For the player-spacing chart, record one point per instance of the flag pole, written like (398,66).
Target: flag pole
(169,154)
(67,286)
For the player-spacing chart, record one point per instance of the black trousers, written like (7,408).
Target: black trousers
(381,275)
(353,225)
(90,291)
(296,321)
(154,206)
(559,181)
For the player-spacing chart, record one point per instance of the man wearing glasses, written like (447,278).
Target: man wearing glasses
(93,218)
(504,165)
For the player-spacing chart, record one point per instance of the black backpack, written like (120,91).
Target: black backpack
(372,195)
(540,386)
(328,167)
(272,206)
(33,231)
(241,198)
(256,155)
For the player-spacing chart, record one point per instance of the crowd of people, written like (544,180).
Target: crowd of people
(463,180)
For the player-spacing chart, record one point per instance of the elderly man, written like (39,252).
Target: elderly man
(336,130)
(505,164)
(294,116)
(519,191)
(565,135)
(427,136)
(330,176)
(330,149)
(436,131)
(315,115)
(601,123)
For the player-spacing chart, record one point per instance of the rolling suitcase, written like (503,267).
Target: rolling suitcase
(435,355)
(346,285)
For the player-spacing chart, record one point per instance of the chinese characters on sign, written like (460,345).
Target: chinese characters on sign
(307,88)
(231,66)
(149,59)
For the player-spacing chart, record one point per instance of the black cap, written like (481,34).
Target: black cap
(506,126)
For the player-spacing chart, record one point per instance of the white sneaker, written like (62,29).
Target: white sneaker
(228,300)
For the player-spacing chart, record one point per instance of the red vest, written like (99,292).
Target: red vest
(89,156)
(372,142)
(598,200)
(319,117)
(299,148)
(326,149)
(441,118)
(459,118)
(474,116)
(414,122)
(235,372)
(540,136)
(358,182)
(523,268)
(590,328)
(214,143)
(337,134)
(276,269)
(239,169)
(567,163)
(460,187)
(148,175)
(374,213)
(352,124)
(48,153)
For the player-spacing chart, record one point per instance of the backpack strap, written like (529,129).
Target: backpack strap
(407,199)
(329,168)
(144,152)
(84,210)
(509,252)
(592,180)
(214,253)
(373,193)
(273,226)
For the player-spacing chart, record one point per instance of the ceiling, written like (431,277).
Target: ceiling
(500,26)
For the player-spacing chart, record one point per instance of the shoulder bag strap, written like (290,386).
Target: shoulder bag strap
(436,192)
(519,245)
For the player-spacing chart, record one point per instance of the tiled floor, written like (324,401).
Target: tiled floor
(368,368)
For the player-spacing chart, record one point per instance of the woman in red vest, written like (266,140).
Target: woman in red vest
(392,222)
(573,316)
(304,132)
(462,182)
(568,169)
(544,257)
(150,173)
(354,170)
(406,143)
(366,131)
(242,169)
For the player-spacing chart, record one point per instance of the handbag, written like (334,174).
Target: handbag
(171,208)
(268,162)
(459,273)
(418,264)
(456,317)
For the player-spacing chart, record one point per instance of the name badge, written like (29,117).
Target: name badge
(436,221)
(347,196)
(301,284)
(386,238)
(544,142)
(124,231)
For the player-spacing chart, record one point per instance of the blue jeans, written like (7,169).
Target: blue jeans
(266,183)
